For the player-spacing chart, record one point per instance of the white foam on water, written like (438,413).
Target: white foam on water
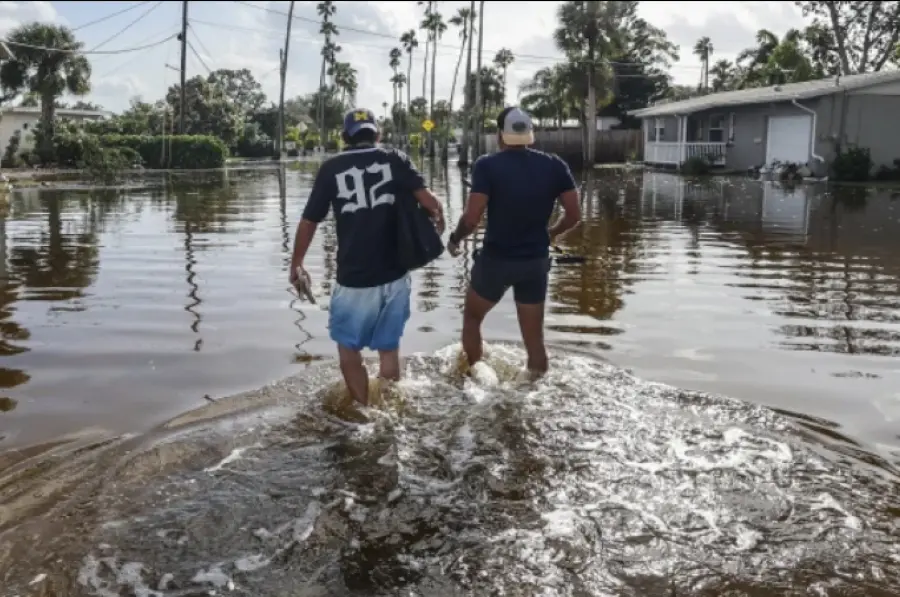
(235,455)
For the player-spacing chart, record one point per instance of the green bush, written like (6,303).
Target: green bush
(696,166)
(188,152)
(889,173)
(853,165)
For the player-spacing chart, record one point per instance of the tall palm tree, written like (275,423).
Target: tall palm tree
(394,55)
(479,112)
(723,75)
(502,59)
(48,75)
(424,25)
(410,43)
(461,20)
(436,29)
(325,10)
(703,49)
(345,81)
(463,159)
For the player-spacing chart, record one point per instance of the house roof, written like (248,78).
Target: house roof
(59,111)
(775,93)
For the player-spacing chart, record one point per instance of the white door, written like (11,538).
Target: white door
(788,139)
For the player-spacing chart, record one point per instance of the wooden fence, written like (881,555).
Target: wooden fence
(612,147)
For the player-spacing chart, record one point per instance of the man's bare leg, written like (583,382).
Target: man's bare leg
(531,324)
(474,312)
(389,365)
(355,375)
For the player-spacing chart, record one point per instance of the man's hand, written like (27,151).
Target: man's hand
(453,247)
(296,274)
(437,217)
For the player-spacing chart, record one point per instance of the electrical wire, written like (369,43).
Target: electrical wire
(141,17)
(116,69)
(395,38)
(200,41)
(110,16)
(197,55)
(16,44)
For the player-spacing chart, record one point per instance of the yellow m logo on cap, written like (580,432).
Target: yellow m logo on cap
(360,116)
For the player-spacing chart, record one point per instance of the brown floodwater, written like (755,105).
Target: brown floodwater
(722,417)
(120,310)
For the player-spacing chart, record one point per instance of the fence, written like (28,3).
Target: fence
(614,146)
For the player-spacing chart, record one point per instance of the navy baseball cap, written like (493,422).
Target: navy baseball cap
(358,120)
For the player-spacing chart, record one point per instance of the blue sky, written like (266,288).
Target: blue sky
(249,35)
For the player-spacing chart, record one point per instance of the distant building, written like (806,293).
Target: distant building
(24,119)
(800,123)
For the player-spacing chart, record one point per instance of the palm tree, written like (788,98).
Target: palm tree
(410,43)
(479,112)
(463,159)
(723,75)
(436,29)
(502,59)
(48,75)
(589,33)
(550,94)
(424,25)
(461,20)
(345,81)
(703,49)
(395,54)
(325,10)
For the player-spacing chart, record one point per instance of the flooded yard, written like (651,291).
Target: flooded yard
(119,311)
(123,311)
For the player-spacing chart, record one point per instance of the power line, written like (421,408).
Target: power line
(113,15)
(200,41)
(91,52)
(128,26)
(133,58)
(395,38)
(197,55)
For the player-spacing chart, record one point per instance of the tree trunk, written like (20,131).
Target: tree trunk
(479,111)
(321,119)
(408,96)
(467,107)
(431,106)
(48,113)
(453,91)
(425,67)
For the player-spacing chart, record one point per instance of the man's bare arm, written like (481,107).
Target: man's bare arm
(570,218)
(306,230)
(471,217)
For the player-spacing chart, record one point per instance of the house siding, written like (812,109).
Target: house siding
(873,121)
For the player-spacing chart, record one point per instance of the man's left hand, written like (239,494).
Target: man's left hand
(453,248)
(437,218)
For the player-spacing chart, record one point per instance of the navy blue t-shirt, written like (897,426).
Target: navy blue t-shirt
(522,186)
(361,186)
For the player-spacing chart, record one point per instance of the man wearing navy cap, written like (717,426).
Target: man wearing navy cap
(370,302)
(519,187)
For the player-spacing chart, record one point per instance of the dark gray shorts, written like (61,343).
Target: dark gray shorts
(492,277)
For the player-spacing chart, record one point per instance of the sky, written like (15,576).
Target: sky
(249,35)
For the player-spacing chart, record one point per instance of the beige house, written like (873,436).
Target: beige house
(24,119)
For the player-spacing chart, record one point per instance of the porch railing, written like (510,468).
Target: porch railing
(674,153)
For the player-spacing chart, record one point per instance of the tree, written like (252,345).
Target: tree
(240,87)
(703,49)
(864,35)
(345,81)
(394,63)
(424,26)
(325,10)
(410,43)
(140,118)
(47,74)
(207,111)
(502,59)
(723,75)
(549,94)
(461,20)
(436,28)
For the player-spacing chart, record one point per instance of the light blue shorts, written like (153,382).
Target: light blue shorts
(370,317)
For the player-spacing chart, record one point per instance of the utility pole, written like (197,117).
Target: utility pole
(467,108)
(479,113)
(282,61)
(184,24)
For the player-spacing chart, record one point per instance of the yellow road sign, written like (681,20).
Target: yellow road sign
(427,125)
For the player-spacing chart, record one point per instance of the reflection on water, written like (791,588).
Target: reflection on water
(121,309)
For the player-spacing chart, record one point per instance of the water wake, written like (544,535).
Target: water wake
(587,482)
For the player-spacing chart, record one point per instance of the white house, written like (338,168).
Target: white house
(24,119)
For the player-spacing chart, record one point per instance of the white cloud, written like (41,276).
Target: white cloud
(235,35)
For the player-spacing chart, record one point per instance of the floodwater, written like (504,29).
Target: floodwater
(766,465)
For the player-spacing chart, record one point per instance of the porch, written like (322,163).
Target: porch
(674,153)
(672,140)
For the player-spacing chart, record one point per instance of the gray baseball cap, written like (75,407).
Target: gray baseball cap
(515,127)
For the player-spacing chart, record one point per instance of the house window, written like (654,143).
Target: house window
(659,129)
(717,128)
(731,127)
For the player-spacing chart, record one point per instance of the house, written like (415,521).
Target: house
(24,119)
(800,123)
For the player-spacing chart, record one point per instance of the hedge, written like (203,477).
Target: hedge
(188,152)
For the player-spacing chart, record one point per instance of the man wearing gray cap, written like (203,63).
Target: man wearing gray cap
(519,188)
